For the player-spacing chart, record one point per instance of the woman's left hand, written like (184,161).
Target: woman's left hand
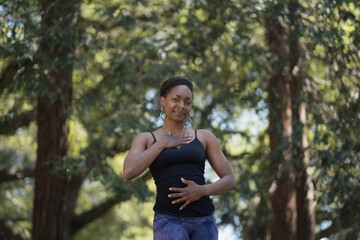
(189,194)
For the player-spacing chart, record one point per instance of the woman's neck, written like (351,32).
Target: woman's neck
(174,128)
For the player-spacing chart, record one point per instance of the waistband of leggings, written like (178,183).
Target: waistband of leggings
(188,219)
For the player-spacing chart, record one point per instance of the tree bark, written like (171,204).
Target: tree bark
(292,200)
(304,187)
(282,192)
(55,196)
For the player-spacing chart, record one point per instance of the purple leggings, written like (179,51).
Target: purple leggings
(166,227)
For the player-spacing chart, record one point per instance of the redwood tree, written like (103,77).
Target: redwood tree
(282,191)
(304,187)
(291,191)
(54,196)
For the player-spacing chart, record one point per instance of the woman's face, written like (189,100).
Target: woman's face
(178,103)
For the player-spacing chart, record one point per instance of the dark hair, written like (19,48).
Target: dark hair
(172,82)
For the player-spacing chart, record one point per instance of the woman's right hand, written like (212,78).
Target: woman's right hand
(140,157)
(174,141)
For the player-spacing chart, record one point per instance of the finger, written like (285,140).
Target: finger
(184,205)
(175,195)
(185,137)
(178,201)
(176,189)
(188,137)
(187,182)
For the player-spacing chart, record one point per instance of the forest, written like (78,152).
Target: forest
(277,82)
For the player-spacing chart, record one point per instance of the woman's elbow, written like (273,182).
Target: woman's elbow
(128,176)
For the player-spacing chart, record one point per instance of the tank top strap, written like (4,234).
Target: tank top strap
(195,134)
(153,136)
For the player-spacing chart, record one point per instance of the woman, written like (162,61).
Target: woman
(175,155)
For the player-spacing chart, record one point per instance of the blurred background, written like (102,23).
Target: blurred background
(276,81)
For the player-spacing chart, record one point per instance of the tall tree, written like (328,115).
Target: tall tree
(55,196)
(300,154)
(127,48)
(282,191)
(292,193)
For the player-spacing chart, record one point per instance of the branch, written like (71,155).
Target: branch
(81,220)
(12,230)
(235,157)
(327,232)
(107,26)
(96,212)
(204,117)
(9,74)
(9,124)
(16,172)
(234,132)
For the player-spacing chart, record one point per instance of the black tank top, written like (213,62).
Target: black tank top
(167,169)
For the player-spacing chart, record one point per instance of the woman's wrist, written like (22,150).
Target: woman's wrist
(161,144)
(205,190)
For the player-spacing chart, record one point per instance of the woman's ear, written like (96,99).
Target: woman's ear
(162,101)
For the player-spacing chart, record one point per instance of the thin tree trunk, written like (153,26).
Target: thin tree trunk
(50,214)
(291,199)
(304,187)
(282,192)
(55,197)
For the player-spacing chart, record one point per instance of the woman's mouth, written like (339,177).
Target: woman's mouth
(179,113)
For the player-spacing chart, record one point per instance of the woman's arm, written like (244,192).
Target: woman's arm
(140,157)
(221,166)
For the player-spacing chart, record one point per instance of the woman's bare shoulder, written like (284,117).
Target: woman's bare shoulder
(143,135)
(142,138)
(206,137)
(146,138)
(205,133)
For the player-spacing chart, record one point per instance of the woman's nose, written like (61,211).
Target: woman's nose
(181,104)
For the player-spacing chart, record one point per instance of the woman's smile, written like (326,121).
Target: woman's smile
(179,113)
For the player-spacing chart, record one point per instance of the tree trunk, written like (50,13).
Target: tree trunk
(292,205)
(55,197)
(282,192)
(304,187)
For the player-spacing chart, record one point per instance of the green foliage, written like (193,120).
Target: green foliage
(125,49)
(129,221)
(335,112)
